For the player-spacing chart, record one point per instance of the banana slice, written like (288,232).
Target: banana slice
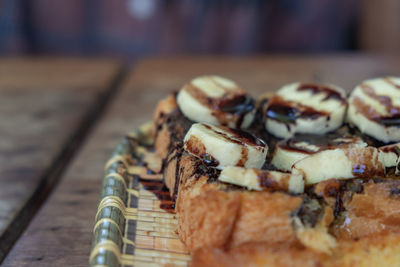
(305,108)
(391,158)
(256,179)
(288,152)
(218,101)
(340,163)
(220,146)
(374,107)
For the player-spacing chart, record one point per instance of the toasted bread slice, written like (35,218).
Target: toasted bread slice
(258,254)
(225,225)
(372,251)
(170,126)
(211,213)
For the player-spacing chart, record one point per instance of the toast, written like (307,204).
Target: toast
(371,251)
(259,215)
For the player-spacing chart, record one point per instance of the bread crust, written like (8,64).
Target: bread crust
(380,250)
(375,211)
(206,215)
(258,254)
(161,133)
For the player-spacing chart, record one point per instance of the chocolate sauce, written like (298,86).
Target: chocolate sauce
(174,154)
(338,206)
(384,100)
(319,88)
(239,137)
(388,80)
(393,120)
(395,191)
(282,113)
(288,112)
(250,138)
(322,141)
(238,106)
(391,149)
(209,160)
(177,171)
(309,212)
(157,187)
(201,169)
(266,182)
(162,193)
(242,136)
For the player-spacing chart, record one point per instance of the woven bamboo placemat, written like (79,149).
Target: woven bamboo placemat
(135,224)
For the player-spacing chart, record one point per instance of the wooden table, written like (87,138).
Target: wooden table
(46,105)
(60,233)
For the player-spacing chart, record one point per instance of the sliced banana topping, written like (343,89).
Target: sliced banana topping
(256,179)
(391,158)
(340,163)
(305,108)
(374,107)
(218,101)
(288,152)
(220,146)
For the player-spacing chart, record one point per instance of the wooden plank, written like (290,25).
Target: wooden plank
(43,102)
(152,80)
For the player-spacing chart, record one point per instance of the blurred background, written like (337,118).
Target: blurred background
(130,29)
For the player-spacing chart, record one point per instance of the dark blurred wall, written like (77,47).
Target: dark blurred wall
(132,28)
(11,36)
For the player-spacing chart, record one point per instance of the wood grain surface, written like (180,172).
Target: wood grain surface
(42,104)
(61,233)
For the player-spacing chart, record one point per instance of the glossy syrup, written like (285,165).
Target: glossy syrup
(318,89)
(161,192)
(288,112)
(156,186)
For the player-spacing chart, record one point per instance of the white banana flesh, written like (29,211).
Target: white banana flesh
(340,163)
(374,108)
(221,146)
(305,108)
(288,152)
(255,179)
(218,101)
(391,156)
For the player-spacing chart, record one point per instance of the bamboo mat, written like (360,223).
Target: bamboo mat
(135,224)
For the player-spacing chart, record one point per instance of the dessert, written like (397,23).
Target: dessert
(294,179)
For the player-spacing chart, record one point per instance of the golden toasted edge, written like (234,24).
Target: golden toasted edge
(161,134)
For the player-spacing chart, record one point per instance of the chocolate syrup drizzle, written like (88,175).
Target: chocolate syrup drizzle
(159,189)
(392,120)
(205,166)
(325,141)
(288,112)
(237,104)
(320,88)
